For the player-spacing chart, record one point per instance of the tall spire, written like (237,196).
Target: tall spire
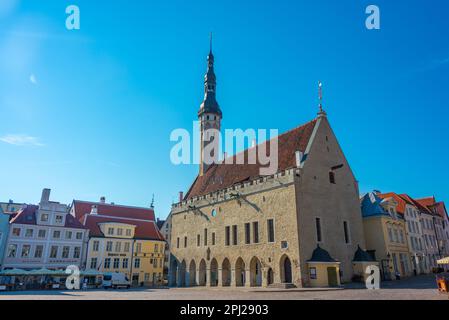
(209,116)
(210,104)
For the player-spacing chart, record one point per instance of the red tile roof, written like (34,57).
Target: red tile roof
(221,176)
(427,202)
(84,207)
(27,215)
(145,229)
(416,203)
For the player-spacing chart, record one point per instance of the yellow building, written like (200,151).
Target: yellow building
(385,236)
(129,244)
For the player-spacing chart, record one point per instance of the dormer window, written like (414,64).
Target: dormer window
(44,217)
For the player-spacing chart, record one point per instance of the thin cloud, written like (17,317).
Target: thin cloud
(21,140)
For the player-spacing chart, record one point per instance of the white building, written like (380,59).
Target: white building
(45,236)
(415,238)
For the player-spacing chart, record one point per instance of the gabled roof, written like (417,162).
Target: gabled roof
(145,229)
(27,215)
(440,208)
(82,208)
(221,176)
(427,201)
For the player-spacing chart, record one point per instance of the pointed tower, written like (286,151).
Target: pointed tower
(209,114)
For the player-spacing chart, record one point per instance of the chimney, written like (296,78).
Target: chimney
(11,201)
(94,210)
(45,196)
(103,200)
(181,196)
(299,155)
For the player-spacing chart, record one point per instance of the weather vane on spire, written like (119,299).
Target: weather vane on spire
(210,39)
(152,203)
(320,96)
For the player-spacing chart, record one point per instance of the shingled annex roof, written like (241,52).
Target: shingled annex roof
(84,207)
(221,176)
(321,255)
(362,256)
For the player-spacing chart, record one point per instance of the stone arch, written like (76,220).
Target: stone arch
(240,276)
(255,272)
(285,267)
(192,274)
(214,273)
(202,274)
(173,272)
(270,276)
(226,273)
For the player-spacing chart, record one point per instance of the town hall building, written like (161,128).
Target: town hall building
(300,226)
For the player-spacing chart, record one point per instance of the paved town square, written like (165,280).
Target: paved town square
(417,288)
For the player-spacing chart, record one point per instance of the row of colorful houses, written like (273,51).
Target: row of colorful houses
(97,237)
(406,236)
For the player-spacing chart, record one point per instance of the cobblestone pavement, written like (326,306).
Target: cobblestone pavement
(417,288)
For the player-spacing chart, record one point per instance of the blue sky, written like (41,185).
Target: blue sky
(92,109)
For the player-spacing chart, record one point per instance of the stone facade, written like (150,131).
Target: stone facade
(291,200)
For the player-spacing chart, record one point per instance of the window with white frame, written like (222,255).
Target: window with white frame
(29,233)
(38,251)
(42,233)
(26,249)
(54,252)
(16,232)
(12,250)
(76,252)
